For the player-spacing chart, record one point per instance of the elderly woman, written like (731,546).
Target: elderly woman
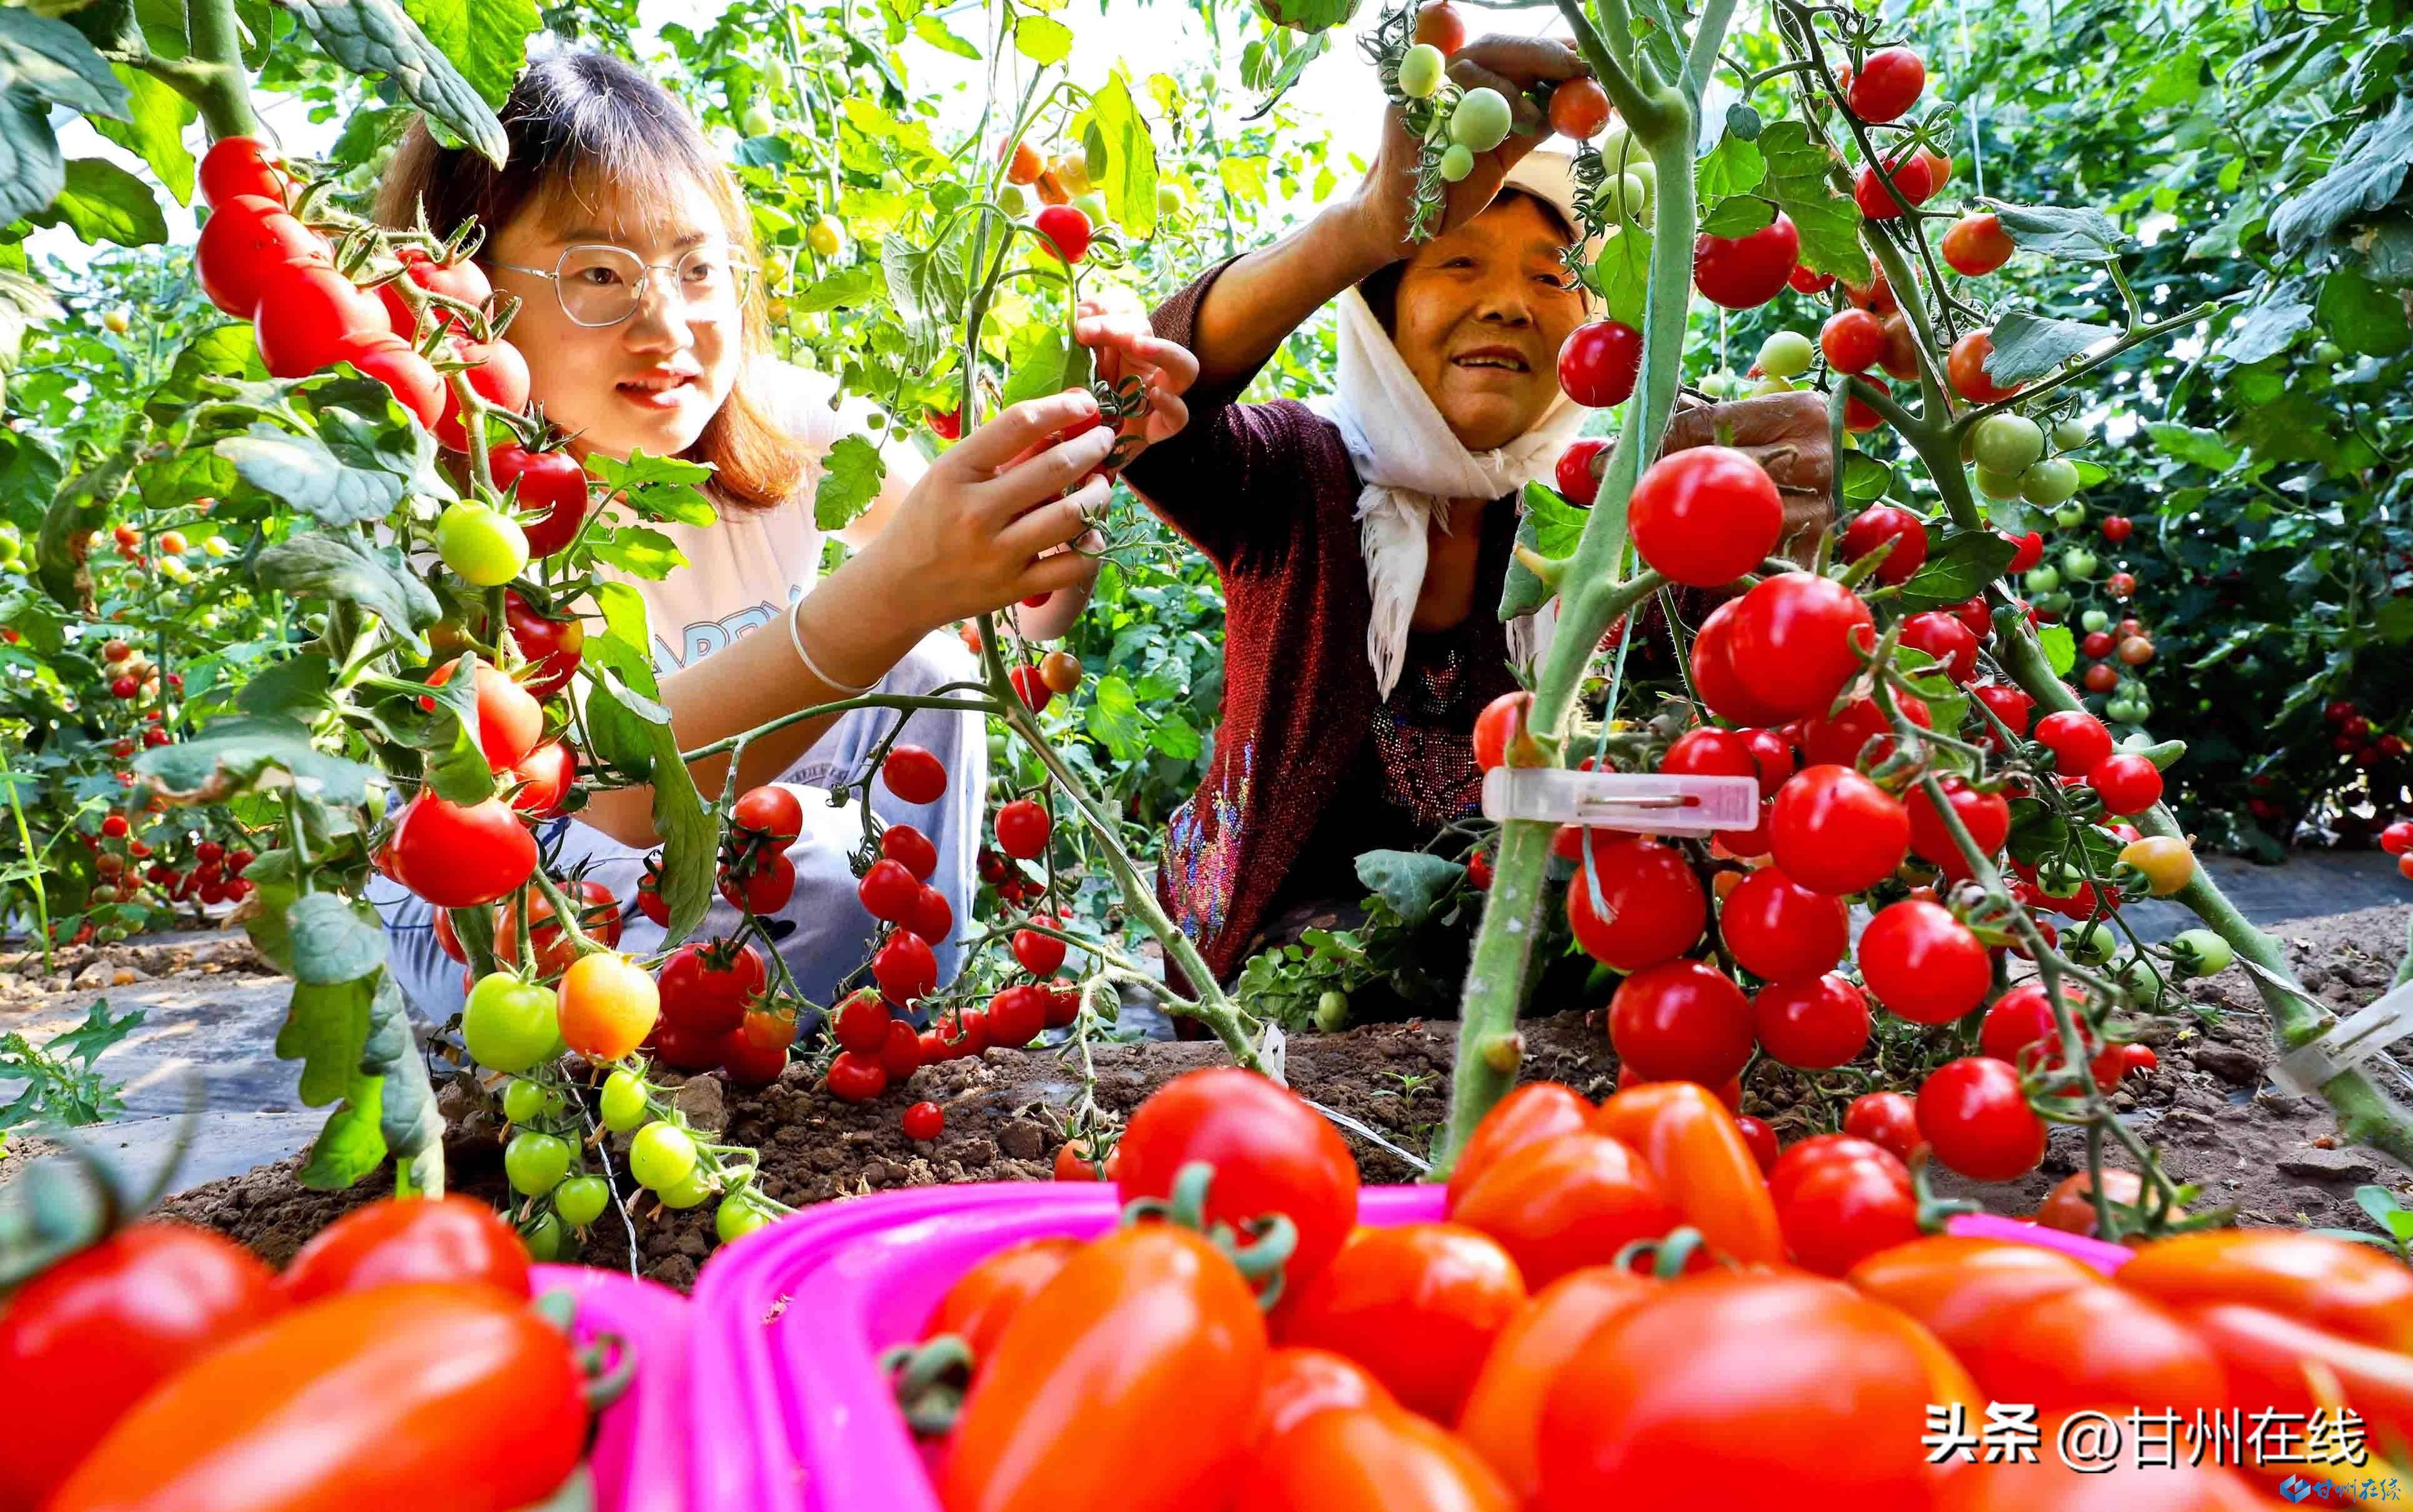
(1364,541)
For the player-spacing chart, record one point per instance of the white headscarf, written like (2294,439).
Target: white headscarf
(1410,462)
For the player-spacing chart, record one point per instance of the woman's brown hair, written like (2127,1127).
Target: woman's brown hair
(578,122)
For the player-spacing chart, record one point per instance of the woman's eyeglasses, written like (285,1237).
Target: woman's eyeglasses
(600,284)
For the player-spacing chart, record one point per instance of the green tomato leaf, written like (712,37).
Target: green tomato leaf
(2028,345)
(2270,326)
(334,940)
(1866,480)
(2060,648)
(1411,881)
(1734,166)
(2080,235)
(44,61)
(633,733)
(657,488)
(637,551)
(153,130)
(1620,273)
(1828,222)
(234,756)
(1128,175)
(1045,362)
(1738,215)
(930,29)
(486,38)
(1113,719)
(2362,180)
(1042,39)
(851,479)
(32,172)
(378,37)
(295,688)
(348,569)
(303,471)
(2359,315)
(100,202)
(2190,444)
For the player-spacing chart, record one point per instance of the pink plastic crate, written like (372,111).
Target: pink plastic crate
(787,1325)
(640,1445)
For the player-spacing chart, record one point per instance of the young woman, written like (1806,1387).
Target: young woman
(630,251)
(1364,541)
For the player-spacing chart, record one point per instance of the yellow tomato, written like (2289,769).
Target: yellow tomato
(2166,860)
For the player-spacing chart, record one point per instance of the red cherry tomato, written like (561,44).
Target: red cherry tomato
(240,165)
(1779,929)
(1022,829)
(1887,84)
(497,372)
(1681,1021)
(913,774)
(905,967)
(1500,724)
(1067,229)
(1575,478)
(1884,525)
(1373,1457)
(1912,178)
(705,988)
(1942,636)
(1599,362)
(1976,245)
(1812,1024)
(1706,515)
(1840,1200)
(1532,1111)
(1922,963)
(459,857)
(1984,815)
(1743,273)
(248,240)
(452,1239)
(1418,1305)
(1651,909)
(554,647)
(855,1078)
(1889,1121)
(462,280)
(1794,639)
(1566,1202)
(1966,366)
(2129,784)
(887,891)
(2077,741)
(1715,674)
(550,482)
(311,317)
(510,721)
(1834,831)
(1975,1116)
(925,1121)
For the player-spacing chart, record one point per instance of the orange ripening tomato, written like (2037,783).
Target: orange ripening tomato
(1527,1115)
(608,1005)
(1418,1305)
(1371,1460)
(452,1239)
(2269,1355)
(1955,1286)
(2092,1346)
(1773,1379)
(977,1308)
(1570,1201)
(2050,1486)
(1697,1151)
(1148,1328)
(2331,1283)
(1300,1383)
(417,1395)
(1504,1413)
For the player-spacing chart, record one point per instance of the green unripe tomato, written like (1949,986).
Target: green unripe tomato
(1093,205)
(2094,620)
(2328,351)
(536,1162)
(1481,120)
(758,121)
(1633,197)
(624,1102)
(2119,710)
(1617,145)
(2041,581)
(737,1217)
(2142,979)
(1787,354)
(687,1192)
(548,1240)
(1332,1012)
(2078,565)
(661,1156)
(1998,485)
(1172,196)
(2055,603)
(2009,443)
(2069,516)
(1456,163)
(523,1101)
(2069,435)
(2090,944)
(481,543)
(1420,70)
(1014,199)
(1772,384)
(582,1199)
(2202,952)
(2049,481)
(509,1024)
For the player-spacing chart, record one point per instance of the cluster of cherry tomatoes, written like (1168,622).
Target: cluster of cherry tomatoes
(2397,840)
(1619,1303)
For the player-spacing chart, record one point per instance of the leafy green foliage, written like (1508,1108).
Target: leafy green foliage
(62,1086)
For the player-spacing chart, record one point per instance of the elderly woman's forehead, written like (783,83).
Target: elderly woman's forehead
(1512,219)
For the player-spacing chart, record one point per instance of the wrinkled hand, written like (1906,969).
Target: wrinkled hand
(1786,434)
(1128,347)
(1511,65)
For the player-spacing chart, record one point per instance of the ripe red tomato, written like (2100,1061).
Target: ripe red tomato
(1503,1415)
(1067,229)
(1803,281)
(2117,527)
(103,1326)
(1887,84)
(1794,639)
(2029,550)
(1575,478)
(1760,1138)
(1022,829)
(1418,1305)
(1813,1024)
(1300,1383)
(1942,636)
(510,720)
(1579,109)
(551,484)
(410,377)
(933,916)
(1531,1112)
(770,810)
(1500,724)
(1913,177)
(1714,675)
(1922,963)
(855,1078)
(1834,831)
(909,847)
(1148,1327)
(237,165)
(1976,245)
(1884,525)
(1852,340)
(2077,741)
(887,891)
(2345,1288)
(1876,297)
(247,241)
(1965,365)
(462,280)
(1074,1162)
(1984,815)
(1687,1135)
(1027,686)
(1889,1121)
(977,1308)
(310,317)
(1681,1021)
(1706,515)
(1773,1375)
(599,918)
(705,988)
(1709,751)
(1777,929)
(459,857)
(1841,1200)
(1975,1114)
(1654,907)
(1038,954)
(452,1239)
(1743,273)
(2008,704)
(756,1051)
(1015,1016)
(554,647)
(497,373)
(860,1023)
(1271,1154)
(1569,1201)
(905,967)
(925,1121)
(1599,362)
(2129,784)
(1840,739)
(1372,1457)
(1439,24)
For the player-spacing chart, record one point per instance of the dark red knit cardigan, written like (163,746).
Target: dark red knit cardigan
(1269,494)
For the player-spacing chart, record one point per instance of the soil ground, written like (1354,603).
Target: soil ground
(2210,1108)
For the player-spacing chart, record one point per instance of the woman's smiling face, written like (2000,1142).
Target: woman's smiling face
(653,380)
(1481,314)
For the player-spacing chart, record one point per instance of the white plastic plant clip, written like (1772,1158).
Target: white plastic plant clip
(2353,1040)
(1644,802)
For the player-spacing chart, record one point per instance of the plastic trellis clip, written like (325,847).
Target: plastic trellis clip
(1644,802)
(2350,1042)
